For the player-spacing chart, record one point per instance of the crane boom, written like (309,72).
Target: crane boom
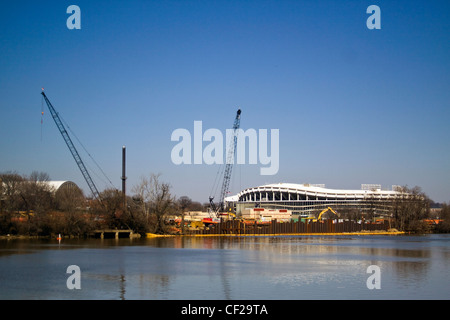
(228,166)
(72,148)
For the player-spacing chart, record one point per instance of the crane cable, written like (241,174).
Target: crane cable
(223,166)
(84,148)
(42,114)
(93,160)
(216,180)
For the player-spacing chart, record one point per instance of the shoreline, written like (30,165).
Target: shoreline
(152,235)
(20,237)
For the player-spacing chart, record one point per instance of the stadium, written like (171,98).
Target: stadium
(306,199)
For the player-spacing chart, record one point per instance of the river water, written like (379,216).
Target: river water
(241,268)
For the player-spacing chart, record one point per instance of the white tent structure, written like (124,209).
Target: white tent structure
(58,186)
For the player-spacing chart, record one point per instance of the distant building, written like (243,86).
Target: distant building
(64,190)
(262,214)
(196,215)
(59,187)
(304,199)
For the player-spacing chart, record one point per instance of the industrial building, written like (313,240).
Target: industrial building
(262,214)
(305,199)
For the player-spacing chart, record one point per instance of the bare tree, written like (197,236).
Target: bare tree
(444,214)
(26,196)
(9,184)
(156,199)
(196,206)
(135,218)
(141,195)
(350,213)
(410,208)
(36,201)
(9,201)
(110,209)
(184,202)
(72,204)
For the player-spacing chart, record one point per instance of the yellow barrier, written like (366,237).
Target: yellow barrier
(150,235)
(154,235)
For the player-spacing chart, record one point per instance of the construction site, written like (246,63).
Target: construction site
(266,210)
(277,209)
(261,221)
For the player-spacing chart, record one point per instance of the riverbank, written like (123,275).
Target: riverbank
(11,237)
(154,235)
(378,232)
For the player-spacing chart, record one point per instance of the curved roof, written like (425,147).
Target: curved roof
(312,190)
(57,185)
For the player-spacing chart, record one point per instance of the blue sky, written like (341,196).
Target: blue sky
(353,105)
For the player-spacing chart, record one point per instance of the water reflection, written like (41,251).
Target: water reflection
(227,268)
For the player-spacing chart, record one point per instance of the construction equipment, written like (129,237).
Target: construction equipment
(72,148)
(325,210)
(228,168)
(321,213)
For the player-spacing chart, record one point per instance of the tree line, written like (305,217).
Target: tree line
(29,206)
(407,211)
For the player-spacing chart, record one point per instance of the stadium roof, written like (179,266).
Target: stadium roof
(314,190)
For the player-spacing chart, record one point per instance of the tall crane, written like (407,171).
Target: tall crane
(228,167)
(72,148)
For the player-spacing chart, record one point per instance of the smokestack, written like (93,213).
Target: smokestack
(124,178)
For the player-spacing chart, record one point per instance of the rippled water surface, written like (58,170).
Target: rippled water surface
(288,268)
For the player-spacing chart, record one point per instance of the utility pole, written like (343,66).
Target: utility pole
(123,179)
